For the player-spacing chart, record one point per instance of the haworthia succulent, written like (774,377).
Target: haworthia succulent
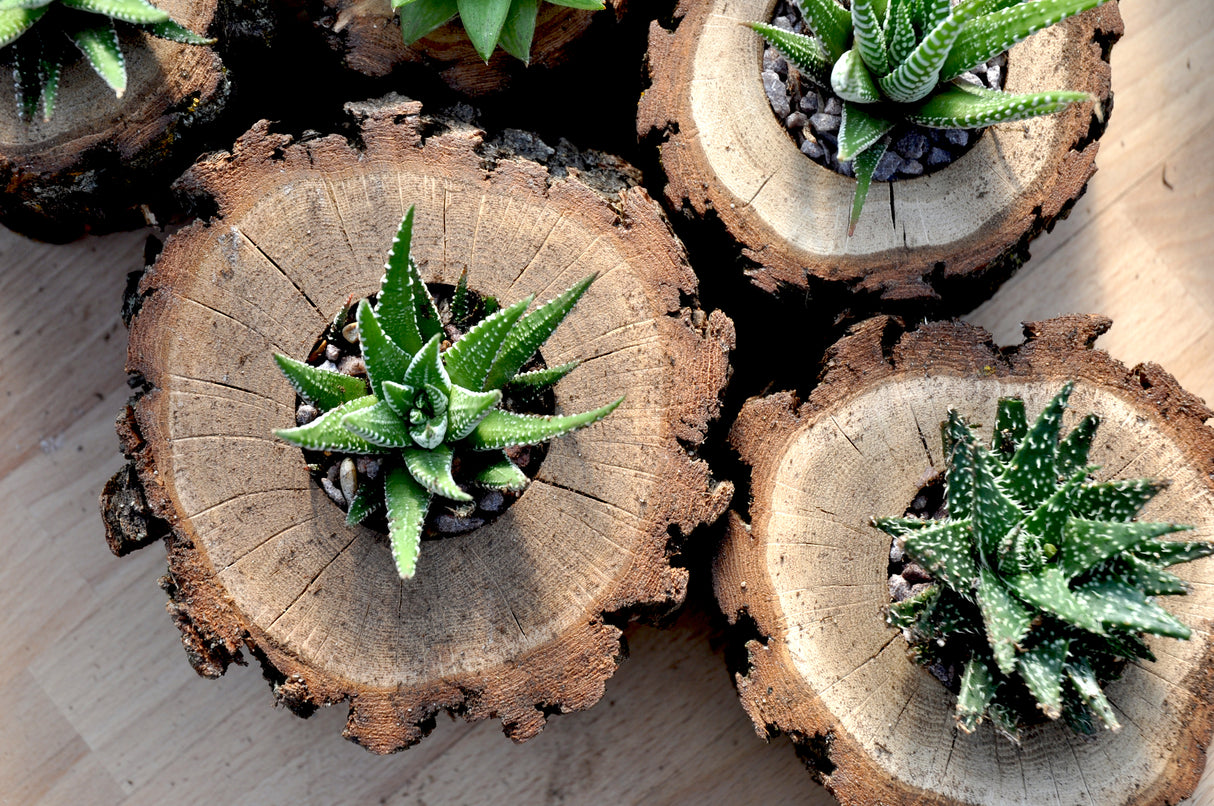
(860,128)
(1047,565)
(866,163)
(851,80)
(867,22)
(806,53)
(990,34)
(426,405)
(488,23)
(100,45)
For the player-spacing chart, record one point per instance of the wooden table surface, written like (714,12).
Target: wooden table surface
(99,706)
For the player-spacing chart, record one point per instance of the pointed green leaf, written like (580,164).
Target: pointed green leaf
(1088,688)
(326,432)
(322,387)
(944,549)
(13,5)
(540,379)
(16,22)
(467,409)
(1114,500)
(971,480)
(420,17)
(386,360)
(959,472)
(469,359)
(483,20)
(934,12)
(426,369)
(585,5)
(27,77)
(859,129)
(1050,592)
(1040,668)
(519,29)
(1006,620)
(432,470)
(961,108)
(501,475)
(900,527)
(407,502)
(830,22)
(503,429)
(902,34)
(1119,605)
(1147,577)
(175,32)
(1074,448)
(405,308)
(400,398)
(1049,520)
(101,47)
(865,166)
(1086,543)
(378,425)
(917,75)
(1031,473)
(138,12)
(1011,424)
(991,34)
(365,504)
(851,81)
(803,51)
(522,341)
(52,71)
(1171,552)
(869,38)
(462,302)
(977,691)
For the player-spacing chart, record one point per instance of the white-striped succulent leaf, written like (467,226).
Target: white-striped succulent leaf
(326,432)
(530,333)
(468,360)
(960,108)
(324,388)
(851,80)
(407,503)
(504,429)
(803,51)
(501,474)
(865,165)
(867,25)
(100,46)
(432,470)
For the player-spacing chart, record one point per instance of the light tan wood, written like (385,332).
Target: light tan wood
(101,706)
(954,231)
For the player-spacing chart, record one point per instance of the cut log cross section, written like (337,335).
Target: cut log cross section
(83,169)
(517,619)
(724,151)
(811,572)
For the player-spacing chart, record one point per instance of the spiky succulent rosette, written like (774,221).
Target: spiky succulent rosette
(488,23)
(42,36)
(895,61)
(422,407)
(1043,581)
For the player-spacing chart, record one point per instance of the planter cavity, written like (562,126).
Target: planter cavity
(367,35)
(939,241)
(518,619)
(807,576)
(93,164)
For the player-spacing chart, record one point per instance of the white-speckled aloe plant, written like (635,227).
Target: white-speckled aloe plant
(488,23)
(899,60)
(422,406)
(42,36)
(1043,580)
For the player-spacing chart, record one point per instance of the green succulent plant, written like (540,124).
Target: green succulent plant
(899,60)
(43,36)
(488,23)
(1043,580)
(423,407)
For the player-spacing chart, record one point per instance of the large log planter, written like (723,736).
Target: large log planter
(960,231)
(367,35)
(518,619)
(808,574)
(93,164)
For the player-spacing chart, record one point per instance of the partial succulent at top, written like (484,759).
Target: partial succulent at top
(489,23)
(900,60)
(1044,582)
(423,407)
(42,36)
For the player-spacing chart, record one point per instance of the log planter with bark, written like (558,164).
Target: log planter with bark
(806,578)
(939,241)
(367,35)
(94,163)
(518,619)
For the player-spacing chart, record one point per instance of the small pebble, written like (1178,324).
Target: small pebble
(777,93)
(833,106)
(350,332)
(331,489)
(353,365)
(846,168)
(915,573)
(797,120)
(332,473)
(899,589)
(783,23)
(994,76)
(958,137)
(920,588)
(333,353)
(306,413)
(493,501)
(812,149)
(887,167)
(778,64)
(349,478)
(825,122)
(912,145)
(329,365)
(896,551)
(450,525)
(938,156)
(911,168)
(809,103)
(367,466)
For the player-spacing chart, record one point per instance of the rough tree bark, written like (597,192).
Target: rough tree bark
(962,230)
(809,574)
(518,619)
(89,167)
(367,34)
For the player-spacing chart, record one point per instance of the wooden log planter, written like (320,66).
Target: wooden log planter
(518,619)
(959,231)
(90,167)
(367,35)
(808,573)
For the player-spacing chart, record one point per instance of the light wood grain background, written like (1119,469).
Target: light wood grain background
(99,706)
